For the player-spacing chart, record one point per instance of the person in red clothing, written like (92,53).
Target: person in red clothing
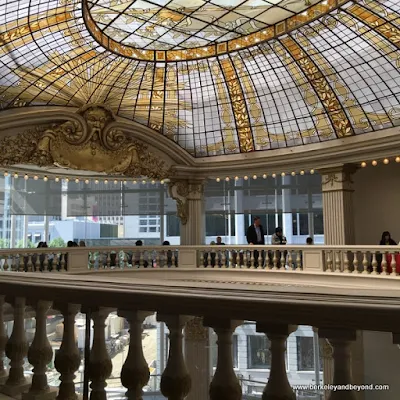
(387,240)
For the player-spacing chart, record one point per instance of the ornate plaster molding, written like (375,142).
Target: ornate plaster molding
(339,178)
(183,191)
(93,145)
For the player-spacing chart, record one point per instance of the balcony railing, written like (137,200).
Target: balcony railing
(364,260)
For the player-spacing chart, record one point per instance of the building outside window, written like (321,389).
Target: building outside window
(258,352)
(305,354)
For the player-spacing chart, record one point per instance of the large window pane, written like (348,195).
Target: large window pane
(305,354)
(258,352)
(214,350)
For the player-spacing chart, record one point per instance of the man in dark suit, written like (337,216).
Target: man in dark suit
(255,235)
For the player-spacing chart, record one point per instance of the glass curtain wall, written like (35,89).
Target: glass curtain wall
(293,203)
(119,213)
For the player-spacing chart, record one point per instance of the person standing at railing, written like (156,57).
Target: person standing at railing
(255,236)
(386,240)
(278,239)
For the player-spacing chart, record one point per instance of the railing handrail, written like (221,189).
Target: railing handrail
(51,250)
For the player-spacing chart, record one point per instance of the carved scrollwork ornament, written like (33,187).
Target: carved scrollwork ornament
(182,191)
(92,145)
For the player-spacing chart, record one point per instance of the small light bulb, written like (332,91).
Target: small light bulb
(87,181)
(26,177)
(124,182)
(16,175)
(134,182)
(301,172)
(153,182)
(245,177)
(363,164)
(218,179)
(162,181)
(35,177)
(57,179)
(67,180)
(274,175)
(398,159)
(283,174)
(227,178)
(374,163)
(386,161)
(5,173)
(77,180)
(96,181)
(293,173)
(45,178)
(143,181)
(106,181)
(265,176)
(236,178)
(254,176)
(115,182)
(312,171)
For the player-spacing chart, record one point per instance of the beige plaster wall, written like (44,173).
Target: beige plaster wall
(377,203)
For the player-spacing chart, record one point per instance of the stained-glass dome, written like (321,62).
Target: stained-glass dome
(322,74)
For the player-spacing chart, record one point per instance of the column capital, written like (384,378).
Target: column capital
(184,190)
(337,178)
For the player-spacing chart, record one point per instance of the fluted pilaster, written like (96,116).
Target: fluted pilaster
(16,351)
(175,380)
(40,354)
(135,372)
(189,196)
(337,195)
(67,359)
(197,358)
(224,385)
(278,386)
(100,365)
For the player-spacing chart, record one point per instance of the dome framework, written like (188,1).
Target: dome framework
(334,77)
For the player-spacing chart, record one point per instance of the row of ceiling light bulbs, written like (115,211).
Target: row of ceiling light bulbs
(264,176)
(77,180)
(374,163)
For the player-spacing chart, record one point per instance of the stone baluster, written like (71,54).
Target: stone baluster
(355,261)
(224,261)
(135,372)
(173,260)
(108,259)
(175,380)
(346,264)
(100,365)
(329,263)
(29,264)
(252,265)
(290,259)
(3,341)
(158,261)
(299,260)
(278,386)
(364,263)
(374,264)
(282,261)
(40,354)
(230,258)
(141,259)
(224,385)
(393,264)
(384,264)
(209,259)
(244,258)
(201,259)
(274,260)
(340,341)
(338,266)
(67,360)
(16,350)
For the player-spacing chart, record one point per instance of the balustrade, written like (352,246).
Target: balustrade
(221,312)
(362,260)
